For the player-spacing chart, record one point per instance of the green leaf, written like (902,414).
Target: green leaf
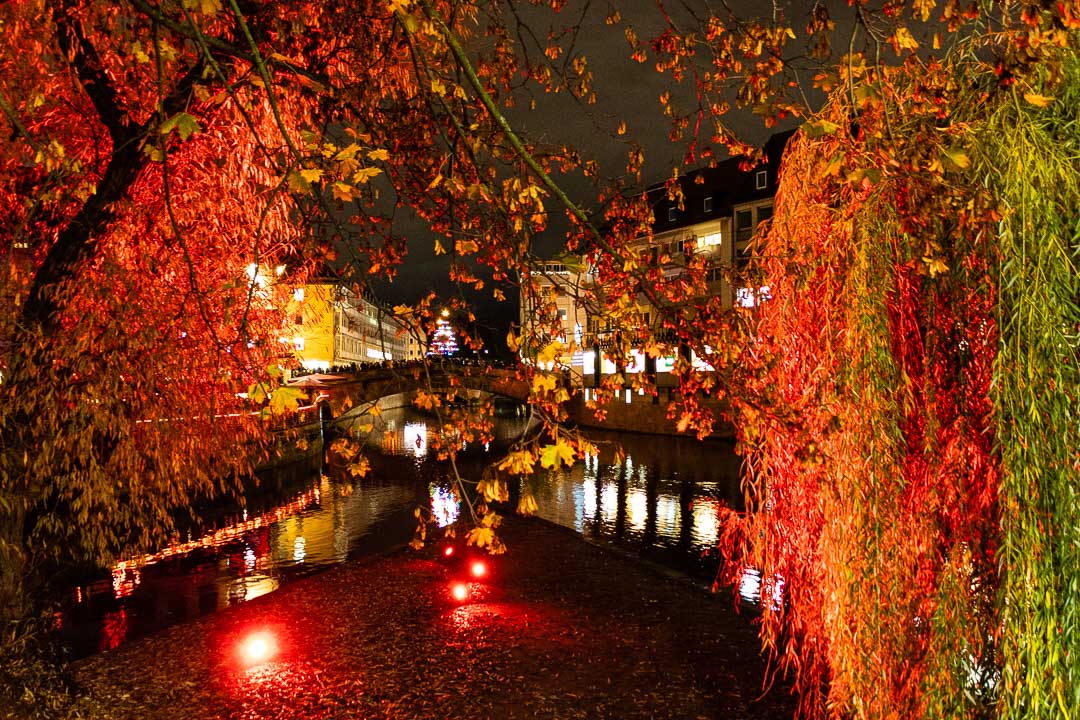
(574,263)
(285,398)
(819,127)
(185,125)
(297,182)
(257,393)
(551,456)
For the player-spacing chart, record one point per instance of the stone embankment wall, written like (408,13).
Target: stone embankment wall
(639,415)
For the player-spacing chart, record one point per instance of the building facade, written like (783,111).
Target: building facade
(719,212)
(553,309)
(722,209)
(330,326)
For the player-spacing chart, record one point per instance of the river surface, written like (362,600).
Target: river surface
(659,498)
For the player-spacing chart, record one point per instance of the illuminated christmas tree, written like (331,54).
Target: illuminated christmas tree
(444,342)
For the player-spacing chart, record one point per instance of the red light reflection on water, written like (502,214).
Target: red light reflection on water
(114,630)
(224,535)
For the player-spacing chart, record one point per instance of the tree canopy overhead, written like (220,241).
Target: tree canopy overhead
(904,401)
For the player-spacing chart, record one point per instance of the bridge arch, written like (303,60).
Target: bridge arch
(395,386)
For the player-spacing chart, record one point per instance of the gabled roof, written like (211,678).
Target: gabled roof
(729,184)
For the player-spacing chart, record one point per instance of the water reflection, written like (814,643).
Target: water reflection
(444,505)
(659,496)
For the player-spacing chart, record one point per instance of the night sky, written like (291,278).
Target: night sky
(627,91)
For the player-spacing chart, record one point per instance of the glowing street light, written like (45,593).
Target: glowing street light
(478,569)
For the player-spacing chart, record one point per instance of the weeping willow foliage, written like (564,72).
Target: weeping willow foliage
(1032,163)
(915,483)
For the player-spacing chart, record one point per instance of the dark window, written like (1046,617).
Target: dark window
(744,230)
(708,205)
(761,180)
(299,319)
(672,214)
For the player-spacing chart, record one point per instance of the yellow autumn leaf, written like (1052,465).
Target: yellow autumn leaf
(512,341)
(438,87)
(379,154)
(552,456)
(360,468)
(343,191)
(684,422)
(480,537)
(1038,100)
(493,490)
(550,352)
(139,53)
(312,174)
(902,40)
(956,159)
(424,401)
(936,266)
(542,384)
(519,462)
(527,505)
(364,174)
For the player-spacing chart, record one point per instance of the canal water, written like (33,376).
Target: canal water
(656,496)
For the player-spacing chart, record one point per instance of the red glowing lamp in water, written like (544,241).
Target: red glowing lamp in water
(478,569)
(258,648)
(460,592)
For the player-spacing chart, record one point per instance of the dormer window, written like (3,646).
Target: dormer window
(672,214)
(707,207)
(761,180)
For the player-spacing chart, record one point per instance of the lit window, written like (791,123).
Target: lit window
(298,294)
(629,396)
(298,343)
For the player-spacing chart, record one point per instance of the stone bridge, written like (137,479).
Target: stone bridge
(348,393)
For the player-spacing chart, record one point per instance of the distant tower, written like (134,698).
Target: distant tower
(443,342)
